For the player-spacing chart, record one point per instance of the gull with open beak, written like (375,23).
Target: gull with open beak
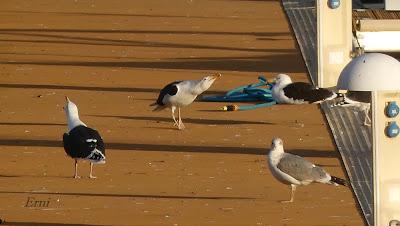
(179,94)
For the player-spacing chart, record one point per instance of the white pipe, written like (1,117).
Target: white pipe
(387,41)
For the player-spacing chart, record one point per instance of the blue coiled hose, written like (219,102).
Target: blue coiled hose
(247,93)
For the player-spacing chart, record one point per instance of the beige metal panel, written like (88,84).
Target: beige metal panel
(334,38)
(392,4)
(386,153)
(378,25)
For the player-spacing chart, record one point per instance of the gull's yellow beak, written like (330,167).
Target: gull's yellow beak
(216,75)
(66,99)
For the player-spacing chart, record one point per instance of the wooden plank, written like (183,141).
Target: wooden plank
(378,25)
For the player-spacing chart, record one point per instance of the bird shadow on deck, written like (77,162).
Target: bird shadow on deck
(126,195)
(186,120)
(174,148)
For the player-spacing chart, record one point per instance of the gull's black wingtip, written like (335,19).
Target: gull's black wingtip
(338,180)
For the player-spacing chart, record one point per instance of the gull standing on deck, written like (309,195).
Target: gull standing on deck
(284,91)
(82,142)
(294,170)
(180,94)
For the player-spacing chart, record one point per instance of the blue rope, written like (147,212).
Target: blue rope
(247,93)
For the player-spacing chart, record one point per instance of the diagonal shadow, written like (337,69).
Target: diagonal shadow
(31,124)
(46,224)
(66,39)
(214,110)
(142,44)
(91,88)
(34,176)
(182,32)
(125,195)
(86,88)
(174,148)
(188,120)
(270,63)
(258,0)
(115,15)
(34,54)
(3,175)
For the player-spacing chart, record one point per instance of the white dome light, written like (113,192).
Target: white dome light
(371,72)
